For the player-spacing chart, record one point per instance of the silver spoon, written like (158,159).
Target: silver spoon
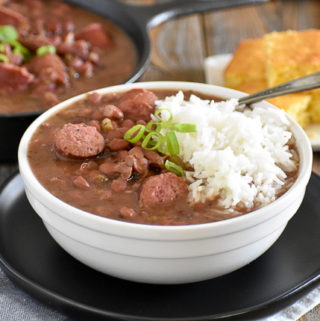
(301,84)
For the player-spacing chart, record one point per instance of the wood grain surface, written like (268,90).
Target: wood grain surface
(179,47)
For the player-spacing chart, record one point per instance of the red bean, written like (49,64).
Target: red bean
(97,177)
(128,123)
(96,124)
(81,182)
(111,111)
(122,155)
(124,169)
(140,165)
(85,166)
(115,133)
(108,168)
(154,158)
(136,152)
(119,185)
(118,144)
(127,212)
(141,122)
(94,98)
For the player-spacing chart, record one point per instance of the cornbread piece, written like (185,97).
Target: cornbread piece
(314,107)
(247,72)
(291,54)
(296,105)
(247,64)
(251,87)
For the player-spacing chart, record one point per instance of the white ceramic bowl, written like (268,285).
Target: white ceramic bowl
(164,254)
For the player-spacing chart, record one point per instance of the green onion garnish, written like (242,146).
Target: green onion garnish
(41,51)
(154,126)
(158,113)
(2,47)
(172,143)
(8,34)
(134,134)
(152,141)
(18,48)
(174,168)
(185,128)
(3,58)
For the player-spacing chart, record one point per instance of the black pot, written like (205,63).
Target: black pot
(135,21)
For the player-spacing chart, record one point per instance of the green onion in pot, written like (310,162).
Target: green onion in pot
(174,168)
(41,51)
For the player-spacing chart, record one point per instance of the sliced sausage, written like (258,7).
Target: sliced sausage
(163,190)
(13,77)
(95,35)
(79,140)
(138,104)
(49,68)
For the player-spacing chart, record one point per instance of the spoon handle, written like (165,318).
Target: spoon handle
(301,84)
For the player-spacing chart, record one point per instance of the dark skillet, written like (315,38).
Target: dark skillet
(135,21)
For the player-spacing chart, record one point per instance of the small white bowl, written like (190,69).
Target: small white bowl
(164,254)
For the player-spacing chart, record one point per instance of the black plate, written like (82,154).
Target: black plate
(34,261)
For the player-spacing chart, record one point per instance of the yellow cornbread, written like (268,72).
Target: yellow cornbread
(291,54)
(276,58)
(241,69)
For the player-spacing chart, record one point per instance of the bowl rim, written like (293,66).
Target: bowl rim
(137,230)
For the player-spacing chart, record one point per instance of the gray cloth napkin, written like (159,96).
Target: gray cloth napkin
(16,305)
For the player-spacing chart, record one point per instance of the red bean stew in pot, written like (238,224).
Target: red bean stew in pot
(51,51)
(80,155)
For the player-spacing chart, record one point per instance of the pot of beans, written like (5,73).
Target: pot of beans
(53,50)
(165,182)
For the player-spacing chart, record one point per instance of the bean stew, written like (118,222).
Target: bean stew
(51,51)
(80,156)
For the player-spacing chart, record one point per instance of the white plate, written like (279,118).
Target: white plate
(214,67)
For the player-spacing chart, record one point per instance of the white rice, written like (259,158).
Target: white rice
(238,157)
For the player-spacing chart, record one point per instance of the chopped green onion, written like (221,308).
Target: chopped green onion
(134,134)
(185,128)
(45,49)
(150,143)
(8,34)
(158,112)
(3,58)
(174,168)
(172,144)
(20,49)
(154,126)
(2,47)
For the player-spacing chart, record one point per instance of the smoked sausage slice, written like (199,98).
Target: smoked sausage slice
(163,189)
(79,141)
(138,104)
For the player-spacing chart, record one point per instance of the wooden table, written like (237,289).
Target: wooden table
(180,46)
